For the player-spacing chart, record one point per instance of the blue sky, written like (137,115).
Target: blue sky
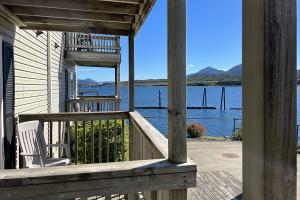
(214,38)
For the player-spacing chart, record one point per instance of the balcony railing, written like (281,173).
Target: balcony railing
(149,170)
(93,103)
(93,42)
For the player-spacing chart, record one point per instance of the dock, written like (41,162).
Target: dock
(163,107)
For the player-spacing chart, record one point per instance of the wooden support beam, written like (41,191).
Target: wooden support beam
(8,15)
(177,87)
(144,10)
(72,22)
(117,81)
(131,105)
(177,80)
(269,99)
(68,28)
(69,14)
(126,1)
(131,71)
(92,6)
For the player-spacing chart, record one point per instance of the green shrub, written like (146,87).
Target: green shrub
(238,134)
(195,130)
(107,133)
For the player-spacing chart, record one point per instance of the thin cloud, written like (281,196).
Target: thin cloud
(188,67)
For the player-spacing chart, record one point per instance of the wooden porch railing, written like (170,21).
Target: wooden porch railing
(148,171)
(146,143)
(93,42)
(94,103)
(93,137)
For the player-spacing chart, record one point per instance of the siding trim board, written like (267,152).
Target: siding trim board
(1,110)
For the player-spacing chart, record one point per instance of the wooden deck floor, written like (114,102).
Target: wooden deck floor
(216,185)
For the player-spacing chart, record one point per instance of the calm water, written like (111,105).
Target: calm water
(217,122)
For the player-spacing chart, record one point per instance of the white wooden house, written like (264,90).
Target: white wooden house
(157,166)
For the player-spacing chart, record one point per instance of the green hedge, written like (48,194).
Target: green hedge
(108,132)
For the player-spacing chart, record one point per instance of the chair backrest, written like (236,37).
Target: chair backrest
(32,142)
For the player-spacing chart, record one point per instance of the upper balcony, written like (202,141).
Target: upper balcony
(87,49)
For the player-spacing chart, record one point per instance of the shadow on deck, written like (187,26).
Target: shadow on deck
(216,185)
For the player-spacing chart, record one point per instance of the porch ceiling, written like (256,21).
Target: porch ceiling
(96,16)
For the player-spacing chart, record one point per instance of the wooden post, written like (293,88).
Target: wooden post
(177,87)
(269,99)
(117,81)
(131,196)
(131,91)
(131,71)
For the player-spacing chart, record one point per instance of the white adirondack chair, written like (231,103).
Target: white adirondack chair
(34,147)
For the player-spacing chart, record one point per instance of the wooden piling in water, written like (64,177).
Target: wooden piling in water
(204,99)
(159,99)
(223,100)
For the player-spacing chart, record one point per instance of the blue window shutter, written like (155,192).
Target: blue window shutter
(9,105)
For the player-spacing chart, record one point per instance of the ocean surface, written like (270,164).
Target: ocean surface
(217,122)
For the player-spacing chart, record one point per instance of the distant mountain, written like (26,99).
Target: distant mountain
(211,72)
(235,71)
(86,81)
(207,72)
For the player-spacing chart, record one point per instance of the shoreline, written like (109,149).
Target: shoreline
(210,81)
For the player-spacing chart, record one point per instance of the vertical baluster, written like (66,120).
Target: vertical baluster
(92,141)
(115,140)
(74,39)
(68,134)
(59,138)
(76,143)
(106,43)
(107,141)
(123,140)
(100,141)
(51,138)
(111,43)
(99,43)
(84,142)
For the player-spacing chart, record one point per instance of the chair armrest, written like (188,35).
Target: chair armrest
(32,155)
(57,145)
(65,146)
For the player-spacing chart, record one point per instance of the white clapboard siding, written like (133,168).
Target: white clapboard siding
(31,74)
